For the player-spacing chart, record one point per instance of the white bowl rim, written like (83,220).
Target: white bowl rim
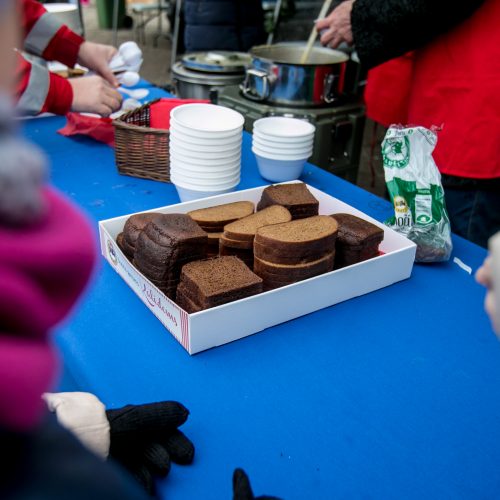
(208,148)
(201,175)
(227,114)
(268,156)
(206,161)
(194,187)
(266,124)
(206,139)
(263,145)
(209,155)
(196,166)
(283,140)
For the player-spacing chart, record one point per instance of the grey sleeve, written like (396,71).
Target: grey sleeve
(384,29)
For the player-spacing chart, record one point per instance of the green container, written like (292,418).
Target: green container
(105,11)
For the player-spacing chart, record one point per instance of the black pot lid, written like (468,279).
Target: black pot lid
(217,61)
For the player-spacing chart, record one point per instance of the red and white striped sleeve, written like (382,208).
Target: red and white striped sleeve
(46,36)
(39,91)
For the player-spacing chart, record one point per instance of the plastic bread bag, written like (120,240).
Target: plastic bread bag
(415,189)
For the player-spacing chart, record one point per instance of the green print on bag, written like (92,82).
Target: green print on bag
(415,189)
(396,152)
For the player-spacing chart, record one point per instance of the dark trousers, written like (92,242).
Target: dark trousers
(51,464)
(474,213)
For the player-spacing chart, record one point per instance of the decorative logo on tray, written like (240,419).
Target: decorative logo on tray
(112,254)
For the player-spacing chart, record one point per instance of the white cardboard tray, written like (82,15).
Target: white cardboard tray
(220,325)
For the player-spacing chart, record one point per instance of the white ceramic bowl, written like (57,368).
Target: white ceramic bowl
(203,134)
(207,172)
(279,170)
(195,177)
(292,150)
(189,183)
(186,194)
(215,162)
(280,126)
(197,169)
(283,141)
(276,156)
(193,152)
(207,117)
(206,146)
(212,142)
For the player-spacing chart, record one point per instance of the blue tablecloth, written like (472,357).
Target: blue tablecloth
(389,395)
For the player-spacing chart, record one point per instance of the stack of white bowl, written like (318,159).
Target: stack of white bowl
(205,150)
(282,146)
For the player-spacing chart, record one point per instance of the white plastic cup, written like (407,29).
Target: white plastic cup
(207,118)
(290,157)
(280,126)
(279,170)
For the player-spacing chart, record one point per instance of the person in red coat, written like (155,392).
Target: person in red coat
(442,67)
(40,91)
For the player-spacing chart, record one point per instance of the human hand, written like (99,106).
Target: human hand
(336,28)
(242,489)
(484,276)
(93,94)
(96,57)
(145,439)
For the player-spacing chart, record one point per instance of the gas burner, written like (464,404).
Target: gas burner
(339,129)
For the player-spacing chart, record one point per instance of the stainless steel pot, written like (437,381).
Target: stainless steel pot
(276,75)
(200,73)
(194,85)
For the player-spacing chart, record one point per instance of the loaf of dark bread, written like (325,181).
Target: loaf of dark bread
(164,245)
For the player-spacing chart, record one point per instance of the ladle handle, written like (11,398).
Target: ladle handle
(314,32)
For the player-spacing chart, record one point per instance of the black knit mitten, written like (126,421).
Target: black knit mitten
(242,489)
(145,439)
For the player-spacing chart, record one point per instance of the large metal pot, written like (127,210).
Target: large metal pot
(200,73)
(276,75)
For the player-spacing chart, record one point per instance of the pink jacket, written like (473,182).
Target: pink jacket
(43,270)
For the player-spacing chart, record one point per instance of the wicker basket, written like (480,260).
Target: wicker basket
(141,151)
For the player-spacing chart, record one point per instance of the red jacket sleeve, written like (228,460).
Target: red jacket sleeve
(39,91)
(46,36)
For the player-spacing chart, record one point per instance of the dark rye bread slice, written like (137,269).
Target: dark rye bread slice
(185,302)
(230,243)
(296,239)
(348,258)
(245,229)
(172,271)
(212,229)
(281,257)
(294,197)
(284,272)
(354,231)
(220,280)
(206,304)
(221,215)
(213,238)
(245,255)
